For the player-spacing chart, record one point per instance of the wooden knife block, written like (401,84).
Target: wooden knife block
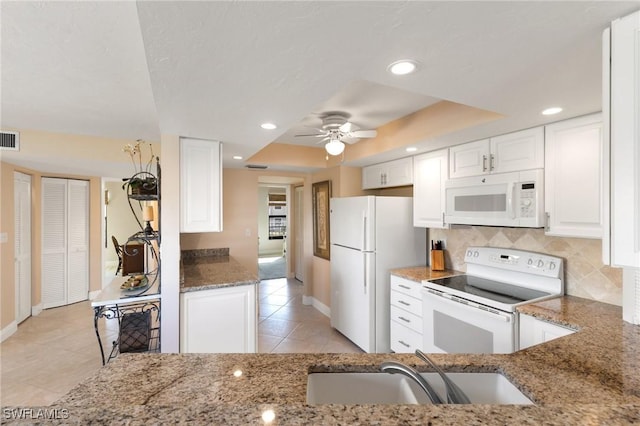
(437,260)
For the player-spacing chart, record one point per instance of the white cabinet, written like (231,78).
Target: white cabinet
(512,152)
(534,331)
(430,171)
(406,315)
(573,176)
(623,119)
(200,185)
(222,320)
(389,174)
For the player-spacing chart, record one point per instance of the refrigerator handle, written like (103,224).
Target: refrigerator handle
(364,231)
(364,275)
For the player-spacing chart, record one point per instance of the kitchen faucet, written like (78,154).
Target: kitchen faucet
(393,367)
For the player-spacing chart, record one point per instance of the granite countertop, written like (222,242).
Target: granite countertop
(419,273)
(210,269)
(591,376)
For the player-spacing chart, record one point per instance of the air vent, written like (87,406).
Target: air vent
(9,141)
(255,166)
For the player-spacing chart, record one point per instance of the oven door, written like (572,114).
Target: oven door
(454,325)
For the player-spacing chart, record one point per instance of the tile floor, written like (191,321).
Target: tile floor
(52,352)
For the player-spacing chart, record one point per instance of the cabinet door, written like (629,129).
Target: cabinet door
(625,144)
(574,177)
(398,172)
(469,159)
(200,185)
(517,151)
(430,172)
(218,321)
(372,176)
(534,331)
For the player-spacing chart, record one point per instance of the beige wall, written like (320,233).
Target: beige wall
(7,292)
(585,274)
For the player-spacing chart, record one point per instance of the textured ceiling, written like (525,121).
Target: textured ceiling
(217,70)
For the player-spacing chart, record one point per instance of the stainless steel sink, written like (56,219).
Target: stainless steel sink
(383,388)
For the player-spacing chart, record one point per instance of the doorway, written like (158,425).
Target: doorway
(273,221)
(22,229)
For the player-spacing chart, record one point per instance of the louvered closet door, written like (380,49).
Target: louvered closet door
(78,241)
(54,242)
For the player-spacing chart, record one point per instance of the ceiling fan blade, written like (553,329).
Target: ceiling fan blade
(315,135)
(324,139)
(363,134)
(346,127)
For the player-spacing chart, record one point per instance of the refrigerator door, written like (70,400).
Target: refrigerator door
(352,222)
(353,295)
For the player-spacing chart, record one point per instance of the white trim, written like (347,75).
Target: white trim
(6,332)
(310,300)
(94,294)
(35,310)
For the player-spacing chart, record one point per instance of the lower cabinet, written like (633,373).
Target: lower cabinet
(406,315)
(534,331)
(222,320)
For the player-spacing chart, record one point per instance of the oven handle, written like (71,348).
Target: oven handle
(484,310)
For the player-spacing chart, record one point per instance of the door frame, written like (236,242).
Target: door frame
(19,284)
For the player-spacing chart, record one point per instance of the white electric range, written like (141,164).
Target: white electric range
(476,312)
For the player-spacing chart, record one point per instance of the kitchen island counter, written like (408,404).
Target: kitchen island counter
(213,268)
(592,375)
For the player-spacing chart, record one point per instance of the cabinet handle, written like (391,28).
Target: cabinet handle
(404,319)
(484,163)
(547,221)
(404,344)
(404,303)
(404,286)
(491,162)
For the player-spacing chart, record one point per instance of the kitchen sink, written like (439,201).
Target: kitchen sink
(384,388)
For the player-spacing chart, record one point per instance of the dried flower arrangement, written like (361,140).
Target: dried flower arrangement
(142,181)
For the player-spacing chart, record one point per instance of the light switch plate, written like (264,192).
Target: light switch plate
(4,237)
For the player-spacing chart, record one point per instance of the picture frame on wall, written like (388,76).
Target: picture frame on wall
(321,193)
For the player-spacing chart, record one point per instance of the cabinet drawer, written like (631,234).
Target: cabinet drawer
(406,302)
(407,319)
(403,285)
(403,339)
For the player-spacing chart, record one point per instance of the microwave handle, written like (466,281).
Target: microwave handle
(511,201)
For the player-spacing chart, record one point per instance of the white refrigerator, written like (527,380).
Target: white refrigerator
(369,236)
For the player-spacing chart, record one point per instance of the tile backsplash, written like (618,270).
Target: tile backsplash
(585,274)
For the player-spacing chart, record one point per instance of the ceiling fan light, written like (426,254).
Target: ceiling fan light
(334,147)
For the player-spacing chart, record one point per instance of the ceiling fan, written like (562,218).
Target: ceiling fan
(337,130)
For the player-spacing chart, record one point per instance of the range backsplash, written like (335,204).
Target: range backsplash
(585,274)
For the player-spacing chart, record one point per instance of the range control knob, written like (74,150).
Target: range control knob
(476,253)
(526,202)
(540,263)
(469,253)
(530,261)
(552,265)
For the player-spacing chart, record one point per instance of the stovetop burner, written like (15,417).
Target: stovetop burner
(489,289)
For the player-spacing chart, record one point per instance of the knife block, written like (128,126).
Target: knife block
(437,260)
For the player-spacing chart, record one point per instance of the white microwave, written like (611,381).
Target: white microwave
(502,199)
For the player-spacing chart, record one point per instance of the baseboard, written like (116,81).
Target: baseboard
(35,310)
(310,300)
(6,332)
(94,294)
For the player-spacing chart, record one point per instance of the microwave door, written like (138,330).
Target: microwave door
(487,204)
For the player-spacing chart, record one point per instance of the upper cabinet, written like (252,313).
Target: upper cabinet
(622,115)
(512,152)
(574,178)
(389,174)
(200,185)
(430,171)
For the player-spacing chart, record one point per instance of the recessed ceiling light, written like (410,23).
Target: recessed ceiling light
(268,126)
(411,149)
(237,157)
(402,67)
(551,111)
